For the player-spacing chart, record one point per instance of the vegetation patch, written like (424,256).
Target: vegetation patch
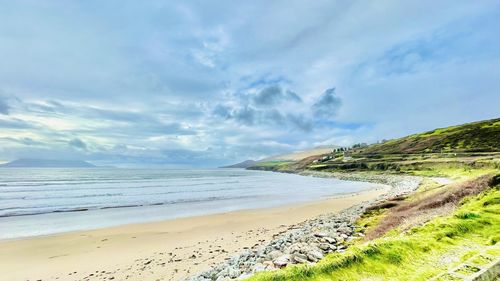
(473,137)
(418,254)
(467,270)
(481,260)
(427,204)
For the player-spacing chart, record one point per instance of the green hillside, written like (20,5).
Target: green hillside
(482,136)
(446,150)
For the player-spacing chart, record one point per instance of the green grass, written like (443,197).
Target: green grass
(477,136)
(276,165)
(452,172)
(370,219)
(418,254)
(272,163)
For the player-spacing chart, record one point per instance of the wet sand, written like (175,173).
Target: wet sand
(166,250)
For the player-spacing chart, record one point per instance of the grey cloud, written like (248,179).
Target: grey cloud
(4,107)
(15,124)
(272,117)
(245,115)
(78,143)
(24,141)
(269,96)
(222,111)
(327,105)
(274,95)
(300,121)
(272,106)
(293,96)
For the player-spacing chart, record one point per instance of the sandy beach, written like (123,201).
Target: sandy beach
(166,250)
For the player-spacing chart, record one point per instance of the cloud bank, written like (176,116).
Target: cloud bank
(191,83)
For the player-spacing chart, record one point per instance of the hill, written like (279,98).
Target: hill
(467,146)
(47,163)
(244,164)
(482,136)
(301,154)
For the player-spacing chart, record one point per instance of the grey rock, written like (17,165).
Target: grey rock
(282,261)
(233,273)
(299,258)
(330,240)
(344,230)
(324,246)
(316,254)
(274,254)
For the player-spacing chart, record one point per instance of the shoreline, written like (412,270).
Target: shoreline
(138,224)
(25,215)
(169,249)
(309,241)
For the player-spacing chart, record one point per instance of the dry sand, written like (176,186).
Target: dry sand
(167,250)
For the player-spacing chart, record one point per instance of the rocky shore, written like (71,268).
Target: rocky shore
(309,241)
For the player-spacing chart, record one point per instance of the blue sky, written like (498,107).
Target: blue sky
(205,83)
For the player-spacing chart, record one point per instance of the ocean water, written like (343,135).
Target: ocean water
(47,201)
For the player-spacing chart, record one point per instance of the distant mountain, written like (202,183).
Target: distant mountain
(47,163)
(301,154)
(244,164)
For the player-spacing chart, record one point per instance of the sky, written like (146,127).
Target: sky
(208,83)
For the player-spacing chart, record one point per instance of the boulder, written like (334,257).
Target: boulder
(330,240)
(344,230)
(282,261)
(314,255)
(299,258)
(320,234)
(274,254)
(324,246)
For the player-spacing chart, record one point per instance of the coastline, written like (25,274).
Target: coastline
(139,196)
(307,242)
(166,250)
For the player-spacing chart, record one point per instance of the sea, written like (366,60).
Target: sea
(43,201)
